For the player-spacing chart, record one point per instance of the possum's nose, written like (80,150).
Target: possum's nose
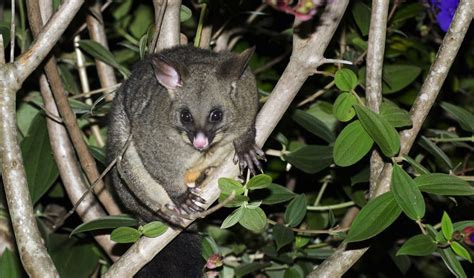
(200,141)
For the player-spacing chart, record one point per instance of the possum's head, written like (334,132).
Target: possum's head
(205,95)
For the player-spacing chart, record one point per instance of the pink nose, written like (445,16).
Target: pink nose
(200,142)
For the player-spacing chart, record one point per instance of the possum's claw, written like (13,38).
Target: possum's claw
(249,158)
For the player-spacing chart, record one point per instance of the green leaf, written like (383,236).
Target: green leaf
(461,115)
(259,182)
(98,51)
(227,185)
(361,14)
(105,222)
(248,268)
(405,13)
(346,80)
(296,211)
(185,13)
(313,125)
(396,116)
(5,32)
(310,158)
(9,265)
(233,218)
(98,153)
(277,194)
(142,20)
(461,251)
(123,9)
(444,184)
(208,247)
(72,258)
(40,167)
(380,130)
(125,235)
(294,272)
(236,202)
(407,194)
(438,153)
(282,235)
(419,245)
(447,226)
(253,219)
(343,107)
(352,144)
(395,77)
(452,262)
(420,169)
(154,229)
(376,216)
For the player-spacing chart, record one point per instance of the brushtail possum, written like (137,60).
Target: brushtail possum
(174,120)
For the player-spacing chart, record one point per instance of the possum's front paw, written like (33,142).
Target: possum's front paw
(185,206)
(248,155)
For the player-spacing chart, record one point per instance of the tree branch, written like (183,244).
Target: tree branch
(46,39)
(69,118)
(339,262)
(70,171)
(438,72)
(170,26)
(95,25)
(307,55)
(33,254)
(373,92)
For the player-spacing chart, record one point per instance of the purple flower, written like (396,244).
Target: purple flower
(444,10)
(303,9)
(469,235)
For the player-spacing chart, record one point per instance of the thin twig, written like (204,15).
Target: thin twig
(12,32)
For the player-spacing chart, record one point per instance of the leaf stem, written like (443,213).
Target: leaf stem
(197,39)
(329,207)
(458,139)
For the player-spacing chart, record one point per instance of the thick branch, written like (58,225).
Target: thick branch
(70,171)
(338,263)
(307,55)
(46,39)
(438,72)
(96,28)
(375,54)
(33,253)
(170,26)
(69,118)
(34,256)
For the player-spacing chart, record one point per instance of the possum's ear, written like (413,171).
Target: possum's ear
(168,74)
(234,67)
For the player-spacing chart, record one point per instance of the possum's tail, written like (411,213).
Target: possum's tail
(181,258)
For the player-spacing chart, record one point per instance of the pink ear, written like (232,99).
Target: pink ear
(166,74)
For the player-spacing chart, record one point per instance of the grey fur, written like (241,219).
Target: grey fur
(149,112)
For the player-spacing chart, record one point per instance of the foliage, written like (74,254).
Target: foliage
(286,221)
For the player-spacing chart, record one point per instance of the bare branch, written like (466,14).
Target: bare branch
(70,171)
(12,33)
(338,263)
(46,39)
(81,61)
(33,253)
(373,81)
(2,51)
(170,27)
(69,118)
(34,256)
(438,72)
(307,55)
(96,28)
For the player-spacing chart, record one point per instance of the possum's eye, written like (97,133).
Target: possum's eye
(216,116)
(186,117)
